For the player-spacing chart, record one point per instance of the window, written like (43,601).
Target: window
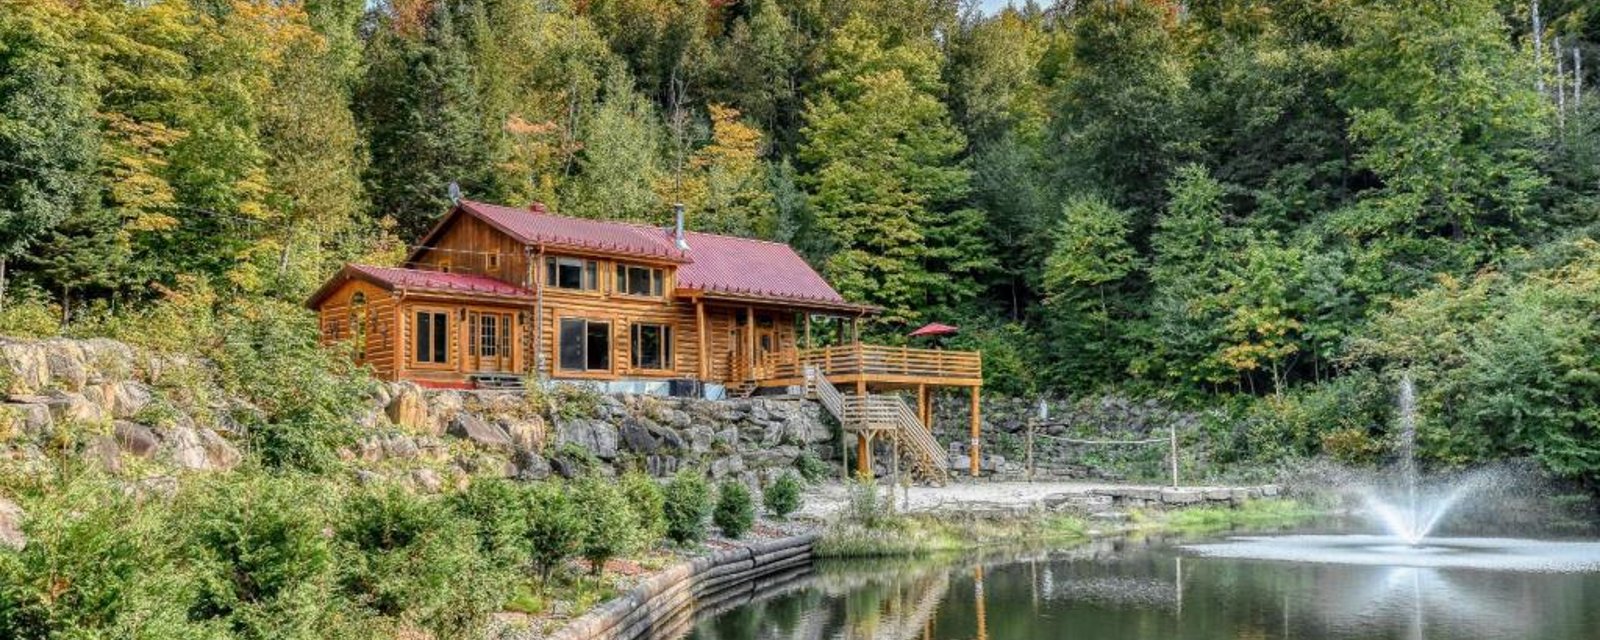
(652,346)
(488,337)
(635,280)
(444,265)
(585,345)
(572,273)
(494,261)
(433,337)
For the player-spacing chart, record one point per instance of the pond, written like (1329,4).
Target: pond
(1273,586)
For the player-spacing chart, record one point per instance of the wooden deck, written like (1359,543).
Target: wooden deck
(878,366)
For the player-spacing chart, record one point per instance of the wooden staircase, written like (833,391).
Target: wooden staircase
(884,414)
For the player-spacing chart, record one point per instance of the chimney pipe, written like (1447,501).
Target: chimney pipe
(677,210)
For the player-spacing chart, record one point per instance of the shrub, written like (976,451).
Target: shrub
(812,468)
(608,522)
(865,506)
(410,559)
(1352,446)
(554,528)
(649,504)
(99,563)
(306,395)
(735,510)
(688,504)
(26,313)
(496,509)
(782,497)
(256,544)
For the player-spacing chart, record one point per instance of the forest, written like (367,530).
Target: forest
(1271,209)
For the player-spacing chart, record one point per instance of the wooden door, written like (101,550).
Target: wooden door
(492,341)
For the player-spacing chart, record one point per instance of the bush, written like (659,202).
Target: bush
(262,562)
(812,468)
(497,510)
(305,396)
(410,559)
(782,497)
(99,564)
(735,510)
(608,522)
(554,528)
(865,506)
(645,498)
(688,504)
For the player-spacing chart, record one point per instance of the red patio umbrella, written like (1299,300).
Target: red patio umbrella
(935,329)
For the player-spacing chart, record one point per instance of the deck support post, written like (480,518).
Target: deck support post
(924,411)
(977,419)
(863,442)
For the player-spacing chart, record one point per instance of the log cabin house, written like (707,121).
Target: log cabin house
(492,294)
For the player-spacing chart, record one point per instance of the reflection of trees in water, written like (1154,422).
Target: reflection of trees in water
(1144,589)
(888,604)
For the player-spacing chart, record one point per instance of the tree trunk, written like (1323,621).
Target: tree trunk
(2,284)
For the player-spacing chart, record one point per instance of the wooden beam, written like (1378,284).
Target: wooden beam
(863,446)
(977,418)
(808,330)
(700,332)
(750,340)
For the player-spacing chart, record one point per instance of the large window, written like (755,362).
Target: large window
(635,280)
(651,346)
(572,273)
(585,345)
(433,337)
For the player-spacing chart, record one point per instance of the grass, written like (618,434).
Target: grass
(1254,513)
(926,535)
(921,535)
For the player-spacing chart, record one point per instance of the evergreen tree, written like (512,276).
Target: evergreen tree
(1087,279)
(886,179)
(421,114)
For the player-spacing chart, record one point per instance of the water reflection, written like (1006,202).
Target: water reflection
(1151,589)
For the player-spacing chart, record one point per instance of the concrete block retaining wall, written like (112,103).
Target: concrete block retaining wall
(667,601)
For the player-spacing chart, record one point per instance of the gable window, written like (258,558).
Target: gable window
(651,346)
(433,337)
(572,273)
(494,261)
(585,345)
(635,280)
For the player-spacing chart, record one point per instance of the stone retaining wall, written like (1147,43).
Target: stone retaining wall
(666,602)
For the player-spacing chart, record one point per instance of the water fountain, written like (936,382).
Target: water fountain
(1411,516)
(1408,515)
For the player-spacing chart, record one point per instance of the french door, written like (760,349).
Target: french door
(491,341)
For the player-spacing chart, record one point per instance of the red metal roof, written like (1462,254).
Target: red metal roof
(535,225)
(419,280)
(742,266)
(935,329)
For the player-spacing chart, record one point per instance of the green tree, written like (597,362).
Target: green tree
(1446,117)
(48,136)
(618,167)
(886,180)
(1191,247)
(1087,280)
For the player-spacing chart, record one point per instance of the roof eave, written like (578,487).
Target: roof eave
(841,307)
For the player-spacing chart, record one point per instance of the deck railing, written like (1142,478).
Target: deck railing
(873,360)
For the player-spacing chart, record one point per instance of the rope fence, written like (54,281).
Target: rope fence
(1043,421)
